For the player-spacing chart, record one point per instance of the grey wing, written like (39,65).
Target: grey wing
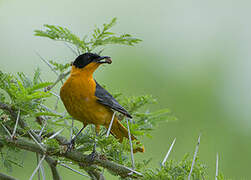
(105,98)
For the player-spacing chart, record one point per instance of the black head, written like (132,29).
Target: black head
(84,59)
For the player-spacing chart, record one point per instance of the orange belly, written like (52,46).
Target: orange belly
(78,96)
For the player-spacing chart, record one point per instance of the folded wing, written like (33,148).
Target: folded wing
(107,99)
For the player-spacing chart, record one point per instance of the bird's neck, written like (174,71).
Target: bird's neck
(86,73)
(83,79)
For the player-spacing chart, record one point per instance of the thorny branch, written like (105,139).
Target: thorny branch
(6,177)
(31,134)
(84,161)
(60,77)
(53,165)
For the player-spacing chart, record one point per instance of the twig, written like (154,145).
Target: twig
(58,97)
(79,52)
(5,128)
(56,104)
(46,62)
(49,160)
(72,50)
(55,134)
(42,129)
(71,133)
(48,109)
(168,152)
(60,77)
(68,167)
(133,171)
(42,171)
(38,172)
(110,125)
(194,158)
(217,166)
(55,94)
(38,166)
(15,127)
(35,140)
(130,140)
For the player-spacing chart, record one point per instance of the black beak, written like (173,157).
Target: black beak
(104,59)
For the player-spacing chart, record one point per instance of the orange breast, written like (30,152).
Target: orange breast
(78,96)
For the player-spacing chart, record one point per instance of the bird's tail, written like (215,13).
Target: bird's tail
(119,131)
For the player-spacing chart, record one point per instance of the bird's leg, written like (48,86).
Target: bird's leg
(93,154)
(95,144)
(72,143)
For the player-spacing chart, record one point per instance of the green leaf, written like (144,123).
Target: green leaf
(110,25)
(37,95)
(60,67)
(61,34)
(46,114)
(39,86)
(36,76)
(101,36)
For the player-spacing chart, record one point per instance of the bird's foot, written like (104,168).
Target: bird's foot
(93,155)
(70,145)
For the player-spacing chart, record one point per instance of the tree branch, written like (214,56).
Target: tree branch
(6,177)
(53,165)
(76,156)
(95,174)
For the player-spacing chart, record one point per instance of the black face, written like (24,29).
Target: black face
(84,59)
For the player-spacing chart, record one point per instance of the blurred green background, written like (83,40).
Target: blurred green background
(194,58)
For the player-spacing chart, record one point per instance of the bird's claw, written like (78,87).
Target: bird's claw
(93,155)
(70,145)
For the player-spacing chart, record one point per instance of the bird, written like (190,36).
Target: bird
(88,102)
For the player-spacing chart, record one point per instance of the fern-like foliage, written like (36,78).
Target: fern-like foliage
(59,67)
(173,170)
(25,93)
(177,170)
(61,34)
(101,36)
